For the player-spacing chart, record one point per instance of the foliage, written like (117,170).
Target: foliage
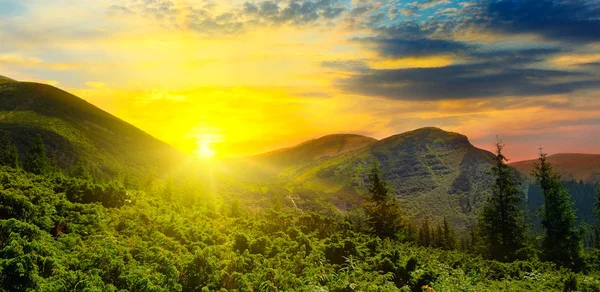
(501,224)
(58,241)
(37,160)
(562,243)
(9,154)
(384,211)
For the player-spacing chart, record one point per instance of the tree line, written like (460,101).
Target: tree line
(502,231)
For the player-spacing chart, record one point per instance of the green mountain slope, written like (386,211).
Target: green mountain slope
(571,166)
(435,173)
(75,130)
(270,166)
(4,80)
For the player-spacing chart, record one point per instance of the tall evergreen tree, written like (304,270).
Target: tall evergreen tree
(425,237)
(385,216)
(449,240)
(37,161)
(562,243)
(9,155)
(501,223)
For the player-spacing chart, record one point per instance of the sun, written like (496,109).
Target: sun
(204,151)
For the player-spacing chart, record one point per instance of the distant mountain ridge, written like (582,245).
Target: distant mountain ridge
(571,166)
(77,131)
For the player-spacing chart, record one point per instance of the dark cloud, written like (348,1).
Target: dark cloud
(474,80)
(514,56)
(591,65)
(410,39)
(401,47)
(564,20)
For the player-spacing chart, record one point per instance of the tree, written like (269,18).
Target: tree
(562,243)
(425,234)
(378,189)
(501,222)
(449,239)
(9,155)
(597,206)
(81,171)
(37,161)
(383,209)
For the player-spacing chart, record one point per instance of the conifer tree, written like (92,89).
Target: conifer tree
(9,155)
(425,234)
(37,161)
(385,216)
(501,223)
(562,243)
(449,240)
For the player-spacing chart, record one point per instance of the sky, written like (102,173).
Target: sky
(245,77)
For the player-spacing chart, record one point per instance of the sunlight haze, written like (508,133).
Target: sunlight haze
(255,79)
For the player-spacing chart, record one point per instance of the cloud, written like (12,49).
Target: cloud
(464,81)
(565,20)
(206,19)
(402,47)
(413,8)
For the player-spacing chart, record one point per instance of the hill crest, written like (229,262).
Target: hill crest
(77,131)
(571,166)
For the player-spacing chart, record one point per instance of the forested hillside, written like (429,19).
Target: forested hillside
(70,233)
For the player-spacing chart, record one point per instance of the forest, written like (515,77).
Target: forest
(64,230)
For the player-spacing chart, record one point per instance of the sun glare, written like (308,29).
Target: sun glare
(204,151)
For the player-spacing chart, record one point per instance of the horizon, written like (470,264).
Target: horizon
(240,78)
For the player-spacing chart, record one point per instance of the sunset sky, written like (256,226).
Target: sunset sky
(244,77)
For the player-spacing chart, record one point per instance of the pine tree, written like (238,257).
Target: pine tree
(378,189)
(385,216)
(562,243)
(501,222)
(449,240)
(9,155)
(425,234)
(37,161)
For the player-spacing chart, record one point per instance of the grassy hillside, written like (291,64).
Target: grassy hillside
(75,130)
(571,166)
(269,166)
(4,80)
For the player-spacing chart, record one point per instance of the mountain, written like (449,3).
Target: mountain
(268,166)
(571,166)
(77,131)
(435,173)
(5,80)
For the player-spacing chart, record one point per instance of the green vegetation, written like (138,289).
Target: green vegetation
(9,155)
(75,131)
(502,225)
(562,243)
(71,233)
(87,203)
